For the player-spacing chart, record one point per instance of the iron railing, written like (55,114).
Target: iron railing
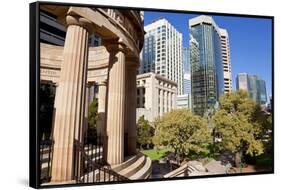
(46,155)
(90,166)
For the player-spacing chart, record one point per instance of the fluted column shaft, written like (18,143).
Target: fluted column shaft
(116,105)
(170,101)
(87,103)
(165,101)
(101,109)
(131,104)
(70,99)
(173,100)
(161,102)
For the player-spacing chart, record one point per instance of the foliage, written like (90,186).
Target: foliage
(155,154)
(264,160)
(145,132)
(92,121)
(238,125)
(184,132)
(93,113)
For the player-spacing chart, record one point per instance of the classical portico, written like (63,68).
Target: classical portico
(76,67)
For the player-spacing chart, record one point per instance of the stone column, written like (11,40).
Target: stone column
(101,109)
(70,103)
(161,101)
(131,105)
(54,110)
(169,101)
(91,92)
(173,100)
(116,103)
(165,95)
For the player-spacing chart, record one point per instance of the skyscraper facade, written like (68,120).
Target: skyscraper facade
(242,82)
(225,50)
(207,77)
(255,86)
(52,32)
(262,92)
(162,51)
(186,71)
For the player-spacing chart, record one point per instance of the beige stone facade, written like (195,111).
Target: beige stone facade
(75,67)
(156,95)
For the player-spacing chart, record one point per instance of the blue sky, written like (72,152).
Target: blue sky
(249,38)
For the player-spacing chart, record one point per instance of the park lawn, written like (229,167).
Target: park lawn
(154,154)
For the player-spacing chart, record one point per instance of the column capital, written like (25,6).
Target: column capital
(102,83)
(89,84)
(79,21)
(115,45)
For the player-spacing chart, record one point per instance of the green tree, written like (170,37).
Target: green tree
(144,132)
(92,121)
(93,113)
(237,126)
(182,131)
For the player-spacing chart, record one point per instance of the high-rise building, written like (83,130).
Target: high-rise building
(207,77)
(255,86)
(52,32)
(225,50)
(162,51)
(262,92)
(242,81)
(186,71)
(183,101)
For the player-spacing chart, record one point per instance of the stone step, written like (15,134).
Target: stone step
(130,160)
(177,172)
(134,168)
(144,172)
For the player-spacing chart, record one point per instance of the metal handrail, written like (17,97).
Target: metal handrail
(93,165)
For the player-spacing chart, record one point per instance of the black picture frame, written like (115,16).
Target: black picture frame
(34,84)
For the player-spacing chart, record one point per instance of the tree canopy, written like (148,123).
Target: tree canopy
(92,121)
(93,113)
(182,131)
(145,132)
(237,125)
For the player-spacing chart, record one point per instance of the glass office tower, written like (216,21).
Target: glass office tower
(257,89)
(186,71)
(254,85)
(262,92)
(207,80)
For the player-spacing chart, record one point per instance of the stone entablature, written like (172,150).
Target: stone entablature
(51,58)
(108,23)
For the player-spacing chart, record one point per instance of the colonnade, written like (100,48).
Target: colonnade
(116,101)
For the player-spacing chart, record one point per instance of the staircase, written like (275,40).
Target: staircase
(191,168)
(135,167)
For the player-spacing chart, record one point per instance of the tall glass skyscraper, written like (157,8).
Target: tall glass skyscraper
(255,86)
(242,81)
(186,71)
(207,79)
(262,92)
